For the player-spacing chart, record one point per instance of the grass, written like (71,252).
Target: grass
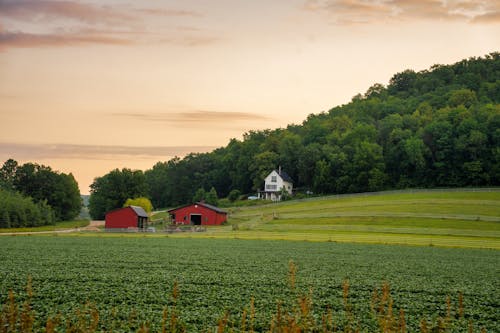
(58,226)
(454,218)
(449,219)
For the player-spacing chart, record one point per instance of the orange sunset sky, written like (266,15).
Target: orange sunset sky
(88,86)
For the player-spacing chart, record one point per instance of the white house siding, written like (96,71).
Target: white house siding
(273,185)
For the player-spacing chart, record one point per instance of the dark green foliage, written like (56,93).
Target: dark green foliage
(113,189)
(60,191)
(199,195)
(437,127)
(234,195)
(211,197)
(46,187)
(17,211)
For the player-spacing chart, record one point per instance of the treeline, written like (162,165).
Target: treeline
(433,128)
(34,195)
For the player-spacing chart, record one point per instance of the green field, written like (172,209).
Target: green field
(468,219)
(427,245)
(119,274)
(58,226)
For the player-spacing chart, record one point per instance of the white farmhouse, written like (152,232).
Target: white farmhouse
(274,184)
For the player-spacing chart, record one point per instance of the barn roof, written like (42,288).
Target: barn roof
(211,207)
(139,211)
(217,209)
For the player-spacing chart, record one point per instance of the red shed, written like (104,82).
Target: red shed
(128,217)
(199,213)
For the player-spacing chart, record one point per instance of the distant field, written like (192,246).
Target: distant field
(123,275)
(455,218)
(58,226)
(450,219)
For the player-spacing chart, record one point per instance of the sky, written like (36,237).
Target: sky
(87,86)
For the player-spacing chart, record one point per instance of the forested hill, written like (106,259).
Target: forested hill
(438,127)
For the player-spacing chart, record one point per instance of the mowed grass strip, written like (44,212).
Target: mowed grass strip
(452,219)
(357,237)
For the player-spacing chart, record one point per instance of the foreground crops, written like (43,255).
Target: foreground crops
(122,274)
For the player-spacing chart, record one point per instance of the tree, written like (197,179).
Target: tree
(8,173)
(402,82)
(143,202)
(200,195)
(234,195)
(59,190)
(113,189)
(465,97)
(211,198)
(263,163)
(436,127)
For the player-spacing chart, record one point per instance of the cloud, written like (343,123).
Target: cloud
(196,117)
(92,152)
(69,23)
(367,11)
(48,10)
(169,12)
(20,39)
(493,17)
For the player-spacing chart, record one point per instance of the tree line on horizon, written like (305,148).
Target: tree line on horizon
(434,128)
(34,195)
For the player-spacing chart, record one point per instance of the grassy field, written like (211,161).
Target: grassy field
(58,226)
(128,280)
(468,219)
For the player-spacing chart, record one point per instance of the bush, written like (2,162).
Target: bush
(18,211)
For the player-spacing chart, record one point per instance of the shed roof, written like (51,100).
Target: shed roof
(211,207)
(139,211)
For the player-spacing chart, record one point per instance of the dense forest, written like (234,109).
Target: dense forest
(433,128)
(33,195)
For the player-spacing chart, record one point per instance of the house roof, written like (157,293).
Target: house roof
(216,209)
(139,211)
(284,176)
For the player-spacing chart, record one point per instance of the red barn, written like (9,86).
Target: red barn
(199,213)
(128,217)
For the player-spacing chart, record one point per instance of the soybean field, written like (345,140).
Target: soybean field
(129,280)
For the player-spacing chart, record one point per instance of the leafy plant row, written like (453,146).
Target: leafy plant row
(127,280)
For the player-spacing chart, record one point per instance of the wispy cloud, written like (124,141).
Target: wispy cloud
(48,10)
(20,39)
(68,23)
(92,152)
(196,117)
(368,11)
(169,12)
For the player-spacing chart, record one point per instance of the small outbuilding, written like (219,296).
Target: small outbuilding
(198,213)
(126,218)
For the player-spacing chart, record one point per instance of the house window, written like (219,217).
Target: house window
(273,179)
(271,187)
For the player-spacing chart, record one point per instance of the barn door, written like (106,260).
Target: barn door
(196,219)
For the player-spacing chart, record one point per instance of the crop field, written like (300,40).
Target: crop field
(129,280)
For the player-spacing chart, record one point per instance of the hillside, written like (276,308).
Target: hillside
(434,128)
(469,219)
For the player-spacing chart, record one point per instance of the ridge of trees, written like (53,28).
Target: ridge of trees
(33,195)
(433,128)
